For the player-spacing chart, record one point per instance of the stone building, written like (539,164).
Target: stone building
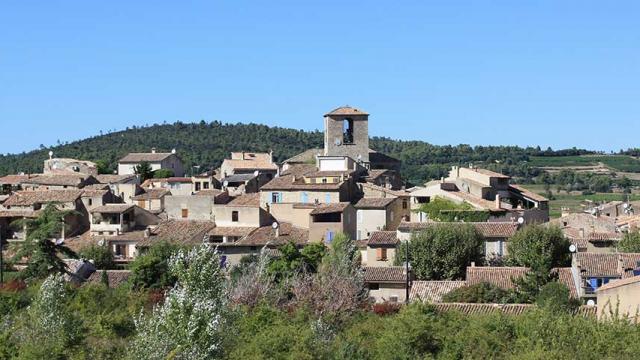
(169,161)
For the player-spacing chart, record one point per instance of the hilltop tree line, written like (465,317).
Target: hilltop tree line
(206,144)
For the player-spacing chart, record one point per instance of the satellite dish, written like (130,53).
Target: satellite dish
(625,205)
(59,241)
(275,225)
(225,183)
(338,142)
(359,157)
(256,173)
(520,220)
(173,151)
(573,248)
(101,242)
(591,303)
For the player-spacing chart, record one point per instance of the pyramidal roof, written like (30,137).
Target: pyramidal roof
(346,110)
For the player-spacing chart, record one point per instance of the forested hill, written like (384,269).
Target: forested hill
(207,144)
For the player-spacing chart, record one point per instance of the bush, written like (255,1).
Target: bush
(481,293)
(151,270)
(630,242)
(101,256)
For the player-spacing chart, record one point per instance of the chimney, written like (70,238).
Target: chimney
(271,156)
(147,233)
(153,150)
(581,233)
(277,229)
(473,264)
(243,155)
(497,201)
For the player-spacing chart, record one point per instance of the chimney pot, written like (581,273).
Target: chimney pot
(153,150)
(498,201)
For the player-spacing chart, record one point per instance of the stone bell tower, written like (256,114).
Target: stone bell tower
(346,133)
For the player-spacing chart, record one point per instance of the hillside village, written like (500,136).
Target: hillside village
(252,205)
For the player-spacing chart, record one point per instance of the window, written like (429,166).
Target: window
(185,213)
(205,185)
(404,204)
(422,199)
(324,180)
(197,186)
(304,197)
(276,197)
(90,202)
(327,198)
(393,298)
(381,254)
(374,286)
(347,131)
(234,216)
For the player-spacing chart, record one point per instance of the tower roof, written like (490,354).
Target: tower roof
(346,110)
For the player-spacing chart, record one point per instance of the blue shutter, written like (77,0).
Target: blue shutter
(327,198)
(593,283)
(270,198)
(329,237)
(303,197)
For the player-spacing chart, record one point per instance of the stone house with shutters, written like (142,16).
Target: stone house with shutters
(375,214)
(151,199)
(157,161)
(381,249)
(386,284)
(123,186)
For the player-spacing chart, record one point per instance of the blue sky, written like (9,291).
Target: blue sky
(550,73)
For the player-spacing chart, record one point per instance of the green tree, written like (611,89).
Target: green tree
(630,242)
(151,269)
(103,167)
(162,173)
(190,322)
(44,254)
(480,293)
(441,209)
(442,251)
(540,248)
(555,297)
(292,260)
(49,330)
(101,256)
(143,169)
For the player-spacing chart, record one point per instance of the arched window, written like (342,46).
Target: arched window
(347,131)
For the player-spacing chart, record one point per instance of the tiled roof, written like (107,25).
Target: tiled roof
(433,291)
(249,161)
(486,229)
(565,277)
(383,189)
(383,238)
(31,197)
(299,169)
(249,200)
(57,180)
(617,283)
(238,178)
(330,173)
(384,274)
(477,309)
(156,193)
(209,192)
(606,265)
(231,231)
(187,232)
(19,213)
(114,179)
(293,182)
(15,179)
(305,157)
(329,208)
(148,157)
(587,222)
(374,203)
(573,233)
(112,208)
(94,192)
(376,173)
(491,173)
(526,193)
(266,234)
(114,277)
(498,276)
(345,110)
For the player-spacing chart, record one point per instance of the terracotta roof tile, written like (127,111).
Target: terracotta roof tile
(249,200)
(112,208)
(383,238)
(114,179)
(231,231)
(329,208)
(308,156)
(477,309)
(290,181)
(345,110)
(187,232)
(384,274)
(31,197)
(266,234)
(606,265)
(15,179)
(148,157)
(59,180)
(433,291)
(397,193)
(374,203)
(498,276)
(149,194)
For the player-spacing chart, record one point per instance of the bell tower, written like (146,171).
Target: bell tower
(346,133)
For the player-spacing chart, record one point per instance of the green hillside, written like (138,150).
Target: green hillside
(207,144)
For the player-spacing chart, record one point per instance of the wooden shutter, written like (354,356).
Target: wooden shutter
(185,213)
